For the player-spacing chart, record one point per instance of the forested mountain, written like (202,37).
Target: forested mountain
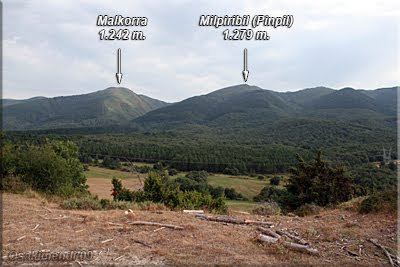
(252,108)
(243,127)
(113,105)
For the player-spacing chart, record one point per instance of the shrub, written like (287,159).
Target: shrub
(120,193)
(230,193)
(267,208)
(275,180)
(274,194)
(111,163)
(172,172)
(261,177)
(158,166)
(379,202)
(173,197)
(86,203)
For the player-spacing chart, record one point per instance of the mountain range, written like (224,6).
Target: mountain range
(234,108)
(106,107)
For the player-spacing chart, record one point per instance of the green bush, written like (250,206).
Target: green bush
(82,203)
(274,194)
(230,193)
(379,202)
(172,172)
(275,180)
(158,192)
(111,163)
(52,167)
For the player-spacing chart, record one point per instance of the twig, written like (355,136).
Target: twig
(117,224)
(36,227)
(107,240)
(142,243)
(388,255)
(351,253)
(156,224)
(158,229)
(120,257)
(20,238)
(49,210)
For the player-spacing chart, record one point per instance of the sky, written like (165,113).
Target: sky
(52,47)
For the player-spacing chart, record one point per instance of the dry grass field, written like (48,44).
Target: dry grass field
(33,224)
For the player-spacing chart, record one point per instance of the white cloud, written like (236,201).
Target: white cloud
(52,48)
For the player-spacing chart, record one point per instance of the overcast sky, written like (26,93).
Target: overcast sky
(52,48)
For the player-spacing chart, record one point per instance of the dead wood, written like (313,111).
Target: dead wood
(269,232)
(293,237)
(107,240)
(193,211)
(156,224)
(387,253)
(230,219)
(142,243)
(36,227)
(267,239)
(301,248)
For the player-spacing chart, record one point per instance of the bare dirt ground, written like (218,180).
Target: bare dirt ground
(32,225)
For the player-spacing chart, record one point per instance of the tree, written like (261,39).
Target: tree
(152,187)
(318,183)
(52,167)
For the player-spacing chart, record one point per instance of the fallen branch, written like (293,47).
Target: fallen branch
(258,222)
(107,240)
(156,224)
(294,246)
(267,239)
(296,238)
(229,219)
(268,232)
(388,255)
(193,211)
(301,248)
(57,218)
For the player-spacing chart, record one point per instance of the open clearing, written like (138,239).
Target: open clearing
(99,181)
(30,224)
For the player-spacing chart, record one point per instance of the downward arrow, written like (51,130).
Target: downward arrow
(245,71)
(119,74)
